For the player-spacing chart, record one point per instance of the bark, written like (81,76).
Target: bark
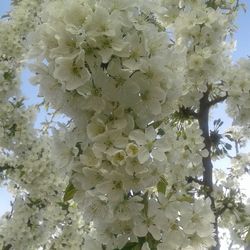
(203,118)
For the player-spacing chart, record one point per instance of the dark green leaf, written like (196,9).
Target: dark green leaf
(131,246)
(69,192)
(63,205)
(161,132)
(7,247)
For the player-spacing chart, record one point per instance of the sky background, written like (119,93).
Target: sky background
(243,50)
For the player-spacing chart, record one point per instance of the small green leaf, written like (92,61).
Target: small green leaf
(130,246)
(161,186)
(69,192)
(63,205)
(186,198)
(8,76)
(161,132)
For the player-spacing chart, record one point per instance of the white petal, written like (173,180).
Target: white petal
(138,136)
(143,155)
(156,233)
(154,107)
(140,230)
(158,155)
(150,133)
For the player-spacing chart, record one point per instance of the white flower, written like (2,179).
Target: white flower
(150,146)
(71,71)
(133,167)
(132,150)
(117,157)
(88,158)
(151,95)
(127,209)
(112,187)
(197,218)
(108,141)
(87,178)
(75,14)
(143,225)
(95,128)
(95,209)
(137,51)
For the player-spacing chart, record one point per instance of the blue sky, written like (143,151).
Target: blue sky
(243,50)
(4,6)
(243,33)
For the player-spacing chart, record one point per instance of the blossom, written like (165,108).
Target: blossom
(112,186)
(150,146)
(117,173)
(71,71)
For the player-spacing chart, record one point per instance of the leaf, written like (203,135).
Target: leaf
(218,123)
(63,205)
(8,76)
(228,146)
(131,246)
(69,192)
(145,202)
(229,137)
(161,186)
(161,132)
(186,198)
(7,247)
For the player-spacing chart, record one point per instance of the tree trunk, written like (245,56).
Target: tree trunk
(203,118)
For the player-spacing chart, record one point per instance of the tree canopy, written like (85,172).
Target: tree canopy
(132,166)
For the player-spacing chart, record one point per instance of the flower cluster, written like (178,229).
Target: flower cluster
(238,88)
(124,172)
(202,31)
(111,68)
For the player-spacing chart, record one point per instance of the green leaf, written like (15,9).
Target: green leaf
(131,246)
(145,202)
(7,247)
(186,198)
(161,186)
(63,205)
(69,192)
(8,76)
(161,132)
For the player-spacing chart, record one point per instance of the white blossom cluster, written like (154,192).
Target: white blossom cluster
(121,173)
(203,32)
(26,165)
(239,100)
(110,66)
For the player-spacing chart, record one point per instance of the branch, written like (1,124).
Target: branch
(193,113)
(5,16)
(218,100)
(221,211)
(190,179)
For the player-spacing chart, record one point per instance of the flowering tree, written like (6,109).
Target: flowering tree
(132,168)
